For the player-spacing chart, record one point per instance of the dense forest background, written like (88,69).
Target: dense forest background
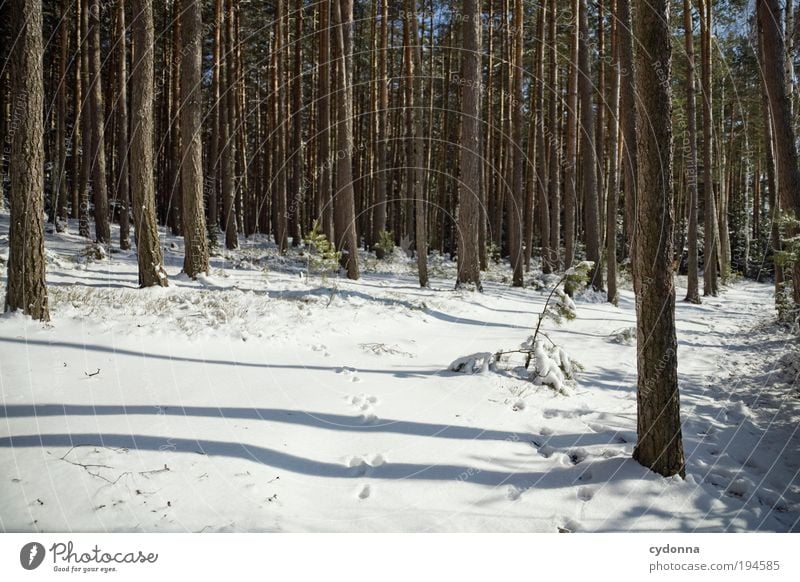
(552,149)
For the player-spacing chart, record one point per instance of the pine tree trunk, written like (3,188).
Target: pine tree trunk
(659,444)
(588,153)
(470,161)
(194,222)
(122,141)
(212,169)
(693,290)
(60,169)
(379,210)
(627,103)
(787,171)
(228,105)
(86,125)
(151,268)
(99,187)
(344,200)
(613,162)
(571,165)
(516,208)
(710,282)
(554,172)
(297,127)
(26,288)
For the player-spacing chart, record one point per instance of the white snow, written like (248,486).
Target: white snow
(256,399)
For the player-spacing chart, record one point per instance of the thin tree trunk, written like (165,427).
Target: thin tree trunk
(613,170)
(123,184)
(692,292)
(228,104)
(195,259)
(151,268)
(628,120)
(554,172)
(710,282)
(571,165)
(344,200)
(516,208)
(588,153)
(99,187)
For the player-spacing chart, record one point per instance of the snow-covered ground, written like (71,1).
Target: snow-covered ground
(265,399)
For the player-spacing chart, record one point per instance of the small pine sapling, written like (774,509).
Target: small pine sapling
(385,245)
(322,256)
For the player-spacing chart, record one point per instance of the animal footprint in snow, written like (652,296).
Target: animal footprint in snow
(351,373)
(364,404)
(321,348)
(585,493)
(360,464)
(513,493)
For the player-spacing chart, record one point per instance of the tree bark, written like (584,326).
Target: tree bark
(151,267)
(692,292)
(195,259)
(613,162)
(122,141)
(588,153)
(787,171)
(627,104)
(99,187)
(470,161)
(659,443)
(710,279)
(344,199)
(26,288)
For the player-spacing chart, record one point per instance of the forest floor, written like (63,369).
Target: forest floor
(265,399)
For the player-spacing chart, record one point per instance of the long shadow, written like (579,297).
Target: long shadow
(173,358)
(320,420)
(555,478)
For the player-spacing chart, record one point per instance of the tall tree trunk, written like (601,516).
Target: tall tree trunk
(228,105)
(195,259)
(77,103)
(571,165)
(516,208)
(710,282)
(627,103)
(297,128)
(381,176)
(613,162)
(788,173)
(693,290)
(26,288)
(325,211)
(414,145)
(659,443)
(344,200)
(470,161)
(99,187)
(212,170)
(122,142)
(588,152)
(151,262)
(772,195)
(59,210)
(554,172)
(86,125)
(279,159)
